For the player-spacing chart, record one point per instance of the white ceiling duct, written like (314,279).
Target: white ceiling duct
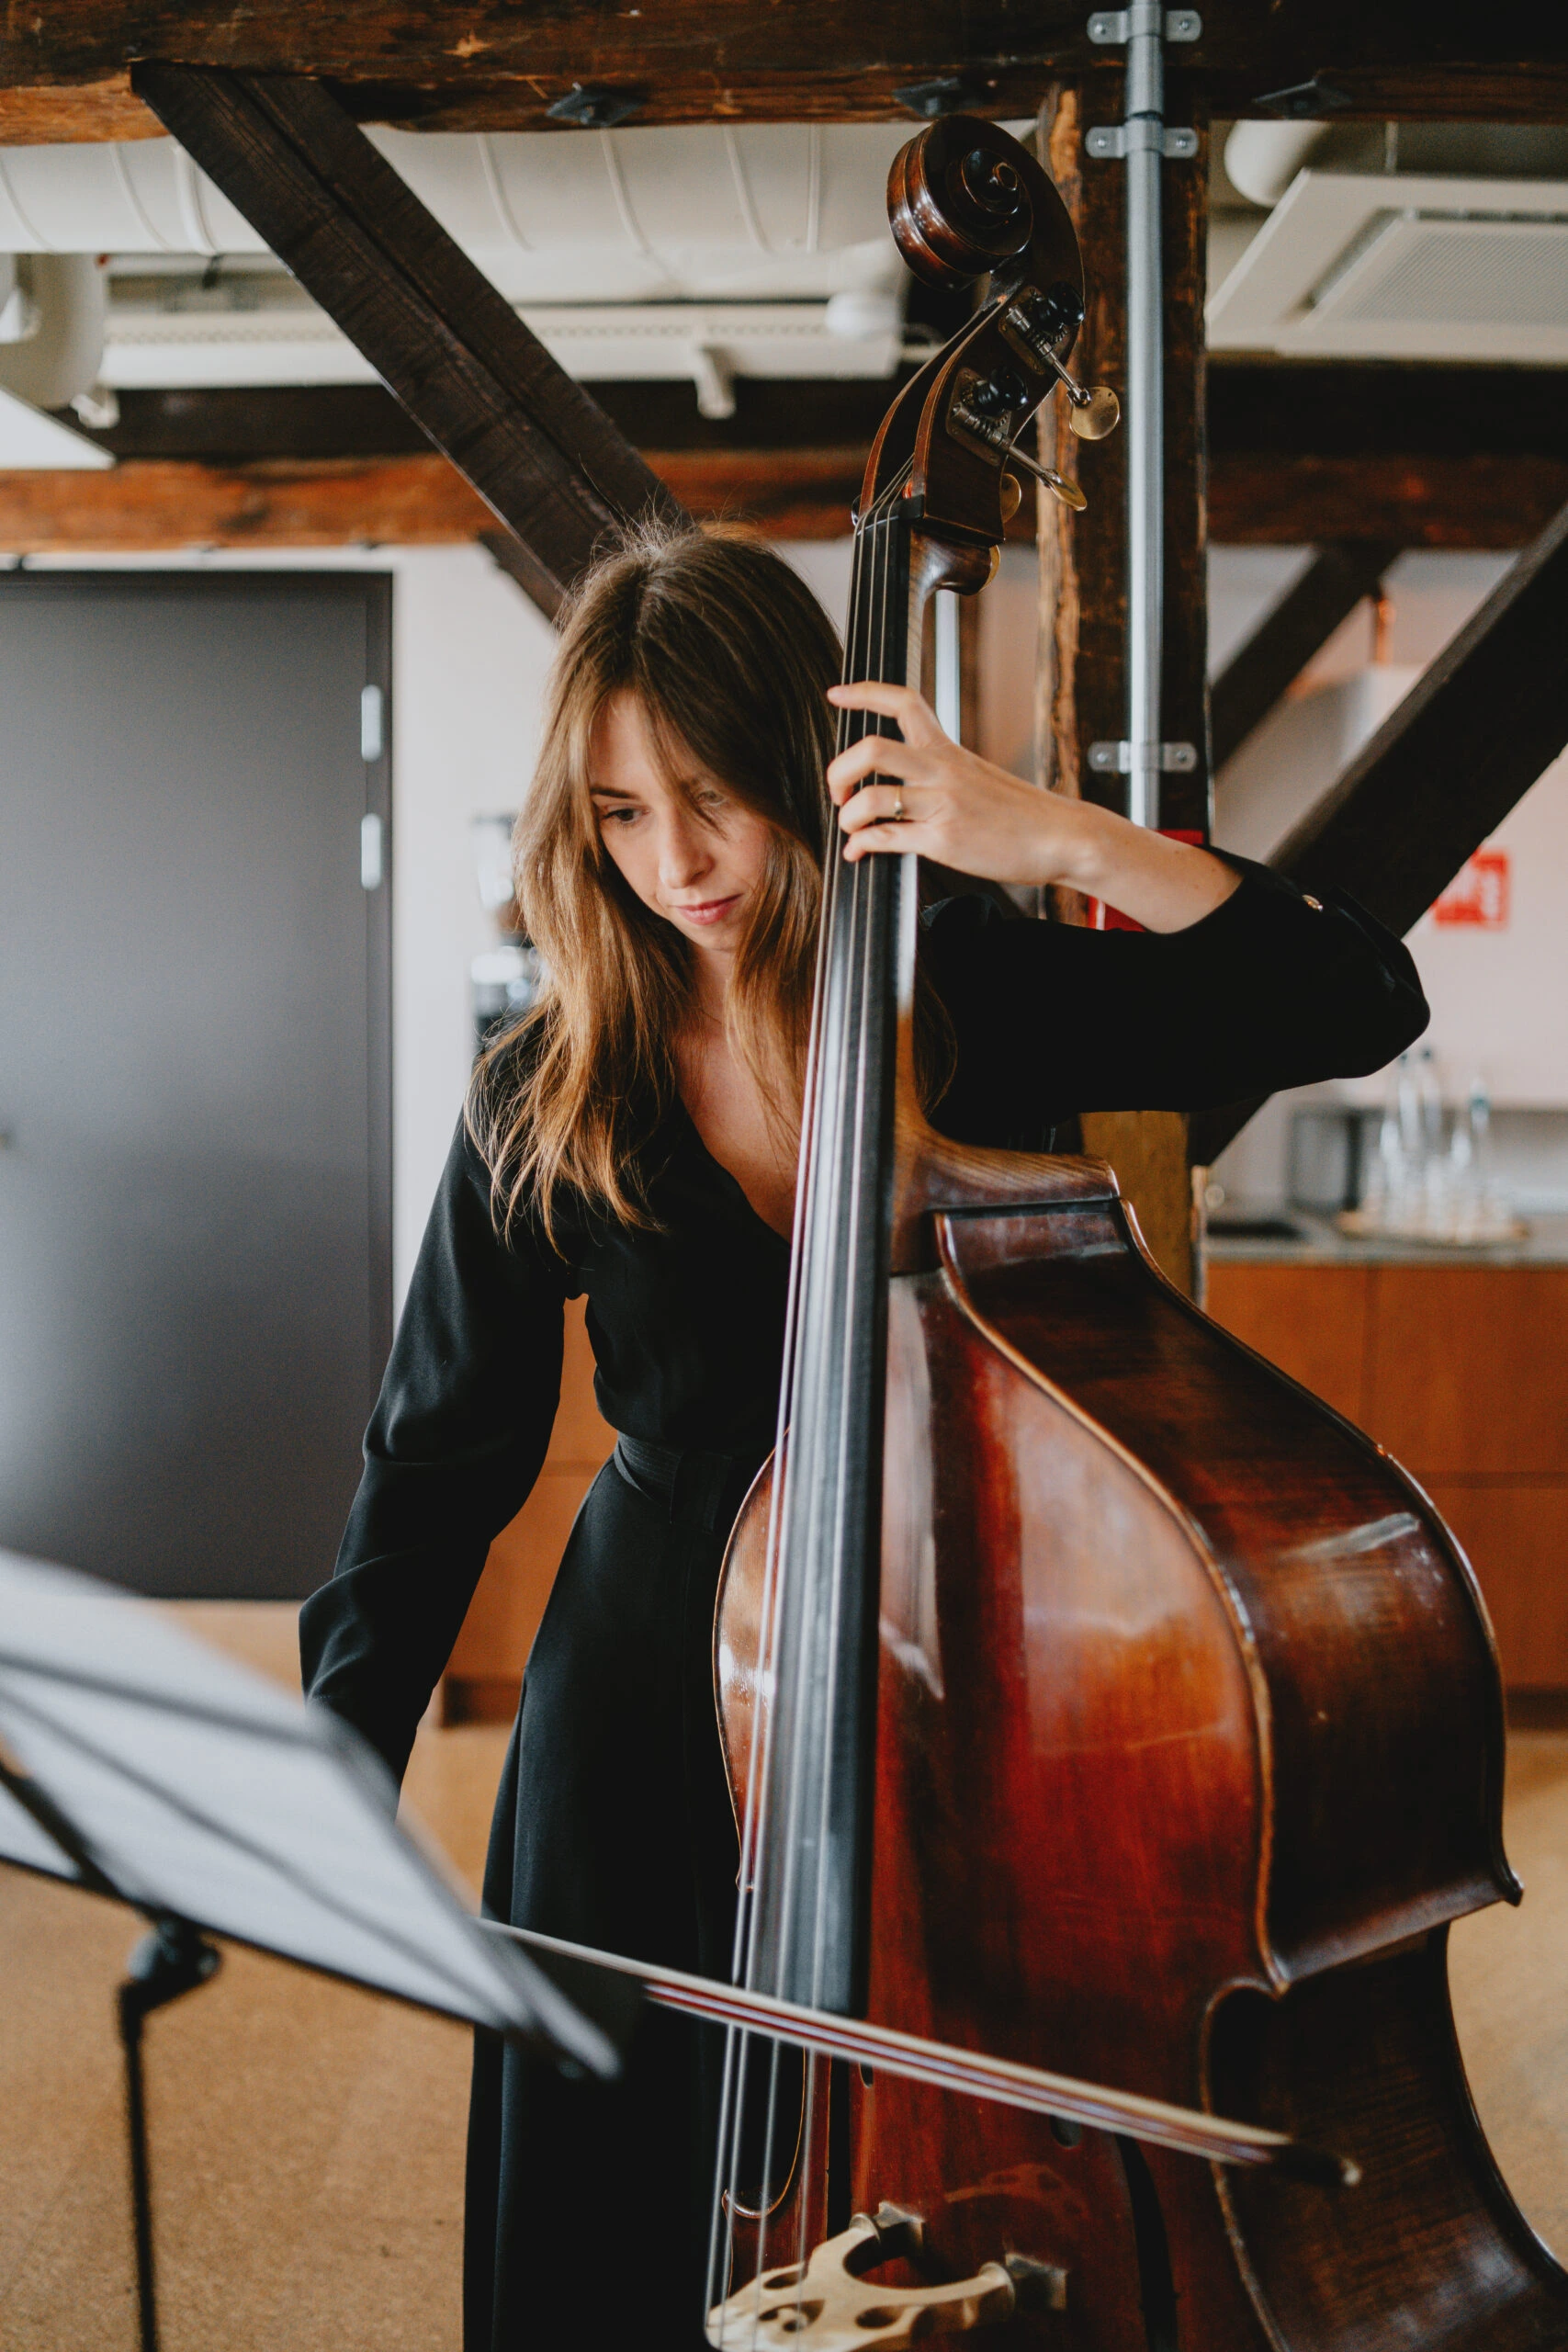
(755,249)
(55,312)
(1263,158)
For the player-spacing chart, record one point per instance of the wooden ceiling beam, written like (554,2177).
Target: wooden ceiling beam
(1494,498)
(1287,638)
(147,504)
(1481,725)
(1367,456)
(492,65)
(788,492)
(538,451)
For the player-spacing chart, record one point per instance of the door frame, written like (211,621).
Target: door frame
(373,592)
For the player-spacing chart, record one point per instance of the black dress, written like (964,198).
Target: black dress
(587,2205)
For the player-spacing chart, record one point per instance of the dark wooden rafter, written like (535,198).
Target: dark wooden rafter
(412,501)
(1480,726)
(1287,638)
(485,390)
(489,64)
(1495,499)
(1372,451)
(1362,454)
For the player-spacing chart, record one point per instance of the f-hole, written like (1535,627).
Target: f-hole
(840,2200)
(1157,2286)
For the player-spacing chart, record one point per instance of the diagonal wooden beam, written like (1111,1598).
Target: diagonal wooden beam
(1480,726)
(1285,641)
(540,453)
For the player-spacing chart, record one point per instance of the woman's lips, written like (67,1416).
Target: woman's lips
(707,910)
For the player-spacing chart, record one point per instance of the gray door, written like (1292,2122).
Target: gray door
(195,1287)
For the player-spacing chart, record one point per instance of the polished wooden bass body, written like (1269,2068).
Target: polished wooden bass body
(1163,1718)
(1189,1746)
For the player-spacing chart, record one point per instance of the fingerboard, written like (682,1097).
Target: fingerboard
(808,1832)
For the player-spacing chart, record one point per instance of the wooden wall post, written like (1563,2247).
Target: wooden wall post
(1083,573)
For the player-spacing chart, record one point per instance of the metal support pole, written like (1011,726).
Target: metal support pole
(1145,122)
(1142,143)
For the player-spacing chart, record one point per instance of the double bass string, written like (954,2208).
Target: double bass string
(846,1074)
(813,1471)
(820,1475)
(746,1962)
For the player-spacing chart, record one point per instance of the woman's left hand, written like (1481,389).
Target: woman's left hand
(946,803)
(959,811)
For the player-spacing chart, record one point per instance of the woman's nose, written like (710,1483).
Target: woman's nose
(684,854)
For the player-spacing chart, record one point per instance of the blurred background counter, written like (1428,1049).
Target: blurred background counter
(1456,1359)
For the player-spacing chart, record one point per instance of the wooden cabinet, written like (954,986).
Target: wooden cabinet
(1460,1371)
(485,1674)
(1463,1373)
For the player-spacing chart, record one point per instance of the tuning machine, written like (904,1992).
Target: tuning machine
(1041,321)
(1092,410)
(1092,413)
(1057,484)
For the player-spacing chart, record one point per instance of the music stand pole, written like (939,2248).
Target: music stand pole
(139,1766)
(174,1959)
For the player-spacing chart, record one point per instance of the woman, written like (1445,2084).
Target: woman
(636,1140)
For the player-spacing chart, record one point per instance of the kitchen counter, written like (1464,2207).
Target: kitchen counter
(1318,1240)
(1457,1361)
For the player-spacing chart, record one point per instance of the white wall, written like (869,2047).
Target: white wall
(1497,998)
(470,659)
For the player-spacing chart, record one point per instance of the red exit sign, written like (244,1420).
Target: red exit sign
(1478,894)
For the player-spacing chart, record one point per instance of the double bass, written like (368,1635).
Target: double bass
(1093,1695)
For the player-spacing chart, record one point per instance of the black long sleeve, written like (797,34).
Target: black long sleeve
(1271,990)
(457,1441)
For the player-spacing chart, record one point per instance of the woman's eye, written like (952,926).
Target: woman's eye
(618,816)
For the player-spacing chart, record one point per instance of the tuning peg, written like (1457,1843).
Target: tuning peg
(1057,484)
(1092,415)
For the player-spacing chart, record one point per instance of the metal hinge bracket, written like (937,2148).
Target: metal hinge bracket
(1110,142)
(1116,759)
(1114,27)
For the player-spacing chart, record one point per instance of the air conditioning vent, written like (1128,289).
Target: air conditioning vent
(1434,274)
(1449,270)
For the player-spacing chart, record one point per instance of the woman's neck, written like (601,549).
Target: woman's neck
(710,987)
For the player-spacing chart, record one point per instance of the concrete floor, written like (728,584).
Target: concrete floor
(308,2139)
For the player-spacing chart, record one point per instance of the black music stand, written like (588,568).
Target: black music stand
(136,1763)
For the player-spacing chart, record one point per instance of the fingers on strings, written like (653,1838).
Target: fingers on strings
(877,755)
(915,716)
(883,816)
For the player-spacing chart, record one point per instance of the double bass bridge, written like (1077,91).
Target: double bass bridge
(828,2303)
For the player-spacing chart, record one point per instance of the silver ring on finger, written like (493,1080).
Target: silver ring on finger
(899,809)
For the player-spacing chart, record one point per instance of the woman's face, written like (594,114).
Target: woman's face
(697,858)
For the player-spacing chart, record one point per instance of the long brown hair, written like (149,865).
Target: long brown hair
(731,656)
